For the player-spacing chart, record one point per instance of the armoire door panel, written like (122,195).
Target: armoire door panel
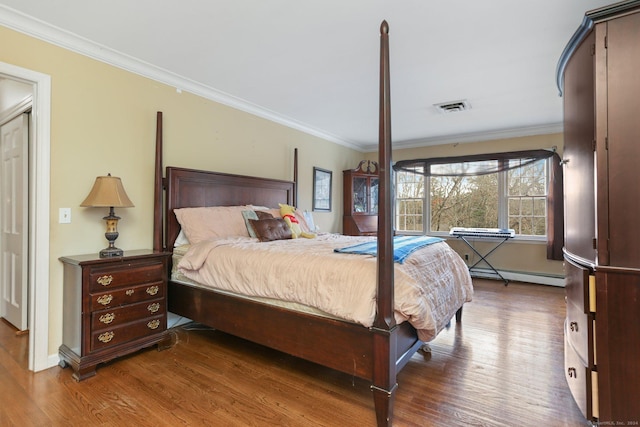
(578,155)
(623,128)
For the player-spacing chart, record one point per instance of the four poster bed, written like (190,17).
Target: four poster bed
(375,349)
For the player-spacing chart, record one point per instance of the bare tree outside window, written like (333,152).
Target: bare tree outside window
(457,198)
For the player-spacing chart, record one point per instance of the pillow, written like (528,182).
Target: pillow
(275,212)
(181,239)
(308,217)
(255,215)
(247,215)
(271,229)
(302,221)
(263,215)
(212,222)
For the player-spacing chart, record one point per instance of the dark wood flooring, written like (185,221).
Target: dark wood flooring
(502,366)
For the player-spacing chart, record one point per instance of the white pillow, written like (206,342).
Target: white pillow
(181,240)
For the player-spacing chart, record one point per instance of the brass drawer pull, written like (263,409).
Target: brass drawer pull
(572,373)
(106,337)
(574,326)
(105,299)
(105,280)
(152,290)
(153,307)
(153,324)
(129,292)
(107,318)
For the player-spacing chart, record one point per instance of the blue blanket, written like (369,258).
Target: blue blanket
(403,246)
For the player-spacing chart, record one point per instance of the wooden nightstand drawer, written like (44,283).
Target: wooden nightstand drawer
(128,332)
(127,295)
(124,275)
(113,317)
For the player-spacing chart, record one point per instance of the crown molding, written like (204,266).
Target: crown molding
(474,137)
(33,27)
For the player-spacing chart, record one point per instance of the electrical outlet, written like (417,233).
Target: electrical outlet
(65,216)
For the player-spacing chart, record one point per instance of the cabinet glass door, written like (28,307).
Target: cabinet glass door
(360,196)
(374,195)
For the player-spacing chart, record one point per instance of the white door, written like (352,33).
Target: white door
(14,167)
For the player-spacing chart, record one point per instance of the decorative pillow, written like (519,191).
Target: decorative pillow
(264,215)
(275,212)
(255,215)
(302,220)
(247,215)
(212,222)
(308,217)
(271,229)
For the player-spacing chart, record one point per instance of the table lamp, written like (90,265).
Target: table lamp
(108,192)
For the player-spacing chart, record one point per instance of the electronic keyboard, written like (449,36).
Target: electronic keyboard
(503,233)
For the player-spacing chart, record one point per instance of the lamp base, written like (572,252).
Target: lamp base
(111,252)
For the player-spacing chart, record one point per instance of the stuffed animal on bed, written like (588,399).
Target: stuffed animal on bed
(288,214)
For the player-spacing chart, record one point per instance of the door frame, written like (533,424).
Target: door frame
(39,196)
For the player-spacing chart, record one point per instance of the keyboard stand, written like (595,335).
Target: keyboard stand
(484,257)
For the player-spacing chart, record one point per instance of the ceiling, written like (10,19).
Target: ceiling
(313,65)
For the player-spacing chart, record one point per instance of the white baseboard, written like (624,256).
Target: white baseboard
(519,277)
(53,360)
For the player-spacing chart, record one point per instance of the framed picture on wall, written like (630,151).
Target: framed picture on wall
(321,190)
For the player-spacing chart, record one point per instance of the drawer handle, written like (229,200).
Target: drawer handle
(129,292)
(105,280)
(572,373)
(107,318)
(153,307)
(574,326)
(105,299)
(106,337)
(152,290)
(153,324)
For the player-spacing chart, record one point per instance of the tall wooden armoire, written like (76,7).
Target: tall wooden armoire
(599,76)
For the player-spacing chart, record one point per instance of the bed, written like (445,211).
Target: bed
(375,350)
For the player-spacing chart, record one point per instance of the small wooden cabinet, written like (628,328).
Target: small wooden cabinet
(112,307)
(361,200)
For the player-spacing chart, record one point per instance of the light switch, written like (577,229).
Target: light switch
(65,216)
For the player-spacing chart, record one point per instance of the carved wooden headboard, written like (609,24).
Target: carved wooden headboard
(196,188)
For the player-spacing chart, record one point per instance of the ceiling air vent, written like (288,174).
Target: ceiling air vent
(453,107)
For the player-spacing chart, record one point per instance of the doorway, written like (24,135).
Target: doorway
(37,243)
(14,192)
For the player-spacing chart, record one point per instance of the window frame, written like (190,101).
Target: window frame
(503,196)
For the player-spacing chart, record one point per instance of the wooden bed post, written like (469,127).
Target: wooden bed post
(295,177)
(385,333)
(157,189)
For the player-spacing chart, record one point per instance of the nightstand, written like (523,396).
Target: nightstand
(112,307)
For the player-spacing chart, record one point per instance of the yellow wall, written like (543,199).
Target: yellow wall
(103,121)
(518,256)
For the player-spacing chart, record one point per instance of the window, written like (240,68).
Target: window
(483,193)
(409,201)
(527,198)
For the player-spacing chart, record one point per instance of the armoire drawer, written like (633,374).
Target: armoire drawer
(580,379)
(579,333)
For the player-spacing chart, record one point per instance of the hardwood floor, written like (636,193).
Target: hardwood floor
(502,366)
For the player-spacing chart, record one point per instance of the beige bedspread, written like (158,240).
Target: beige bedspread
(430,285)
